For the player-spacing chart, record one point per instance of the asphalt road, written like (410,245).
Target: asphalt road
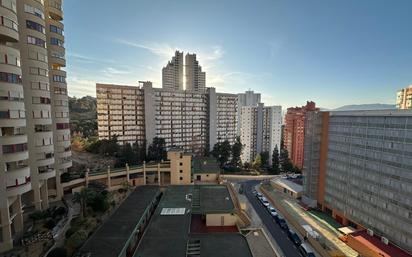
(280,236)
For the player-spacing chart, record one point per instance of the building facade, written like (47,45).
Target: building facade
(249,98)
(404,98)
(35,136)
(172,73)
(365,180)
(294,132)
(186,119)
(195,77)
(260,130)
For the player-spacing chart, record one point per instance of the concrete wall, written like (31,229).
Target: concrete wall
(223,219)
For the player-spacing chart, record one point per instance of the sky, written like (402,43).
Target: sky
(334,52)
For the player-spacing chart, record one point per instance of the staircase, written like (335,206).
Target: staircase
(193,248)
(196,200)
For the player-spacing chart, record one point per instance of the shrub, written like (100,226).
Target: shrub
(58,252)
(77,239)
(69,233)
(50,224)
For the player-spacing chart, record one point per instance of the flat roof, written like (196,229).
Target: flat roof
(215,199)
(291,186)
(168,235)
(205,165)
(376,245)
(111,237)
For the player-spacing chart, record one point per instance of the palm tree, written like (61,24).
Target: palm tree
(81,198)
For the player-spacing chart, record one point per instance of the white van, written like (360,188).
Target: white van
(306,250)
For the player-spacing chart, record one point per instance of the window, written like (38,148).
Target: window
(35,26)
(181,164)
(57,42)
(60,91)
(34,11)
(58,78)
(181,178)
(62,126)
(39,71)
(181,171)
(14,148)
(41,100)
(56,30)
(10,78)
(36,41)
(9,23)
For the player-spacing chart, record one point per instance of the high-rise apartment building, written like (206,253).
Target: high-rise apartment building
(260,130)
(195,77)
(357,168)
(172,73)
(222,117)
(34,119)
(190,120)
(404,98)
(249,98)
(294,132)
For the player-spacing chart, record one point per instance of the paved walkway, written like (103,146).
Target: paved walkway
(329,233)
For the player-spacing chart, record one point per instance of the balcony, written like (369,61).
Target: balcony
(46,173)
(8,25)
(18,189)
(55,10)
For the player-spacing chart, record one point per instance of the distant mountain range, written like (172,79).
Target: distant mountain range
(362,107)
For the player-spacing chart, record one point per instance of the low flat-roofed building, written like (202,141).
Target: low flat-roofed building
(179,225)
(288,187)
(205,169)
(372,245)
(120,234)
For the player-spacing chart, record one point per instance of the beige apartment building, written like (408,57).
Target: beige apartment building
(195,77)
(260,130)
(172,73)
(35,136)
(404,98)
(188,120)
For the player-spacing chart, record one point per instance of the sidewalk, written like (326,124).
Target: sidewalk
(329,234)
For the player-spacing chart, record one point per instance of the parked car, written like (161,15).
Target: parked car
(282,223)
(265,203)
(258,194)
(274,214)
(254,192)
(270,208)
(306,250)
(294,237)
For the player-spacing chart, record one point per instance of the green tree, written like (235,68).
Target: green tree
(157,149)
(275,160)
(265,158)
(127,156)
(236,152)
(222,151)
(257,163)
(82,199)
(285,163)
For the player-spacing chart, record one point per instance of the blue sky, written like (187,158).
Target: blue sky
(335,52)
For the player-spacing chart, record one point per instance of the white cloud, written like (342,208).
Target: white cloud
(87,59)
(80,87)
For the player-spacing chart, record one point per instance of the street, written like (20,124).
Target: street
(279,235)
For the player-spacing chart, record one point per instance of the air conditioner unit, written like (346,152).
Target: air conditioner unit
(370,232)
(384,240)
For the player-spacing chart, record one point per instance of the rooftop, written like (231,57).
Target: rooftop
(205,165)
(291,186)
(169,235)
(375,244)
(111,237)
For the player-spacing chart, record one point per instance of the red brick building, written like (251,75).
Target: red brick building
(294,132)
